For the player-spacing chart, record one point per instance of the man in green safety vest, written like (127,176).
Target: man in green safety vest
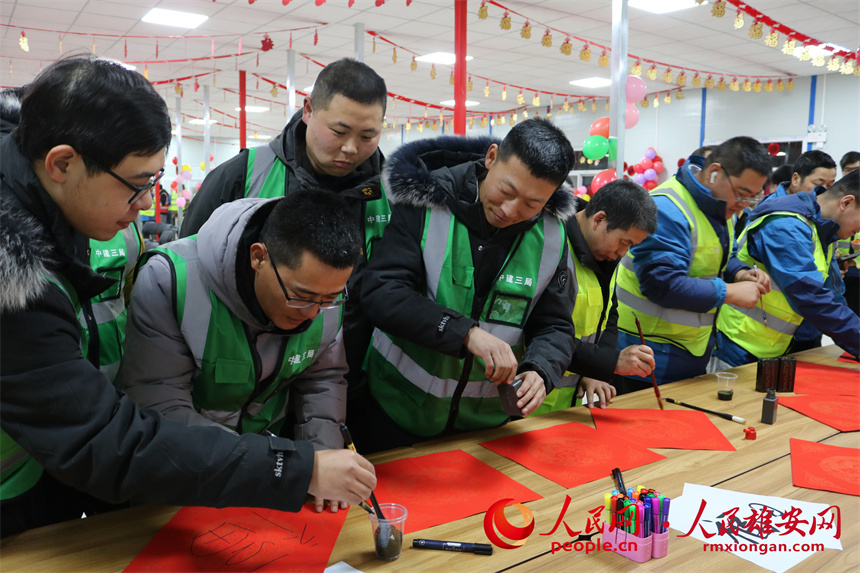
(675,280)
(330,144)
(68,176)
(621,214)
(792,238)
(226,327)
(468,288)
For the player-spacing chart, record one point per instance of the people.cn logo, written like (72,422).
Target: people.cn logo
(495,520)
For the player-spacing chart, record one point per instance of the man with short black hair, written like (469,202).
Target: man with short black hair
(849,162)
(792,239)
(330,144)
(90,144)
(621,214)
(468,288)
(233,314)
(677,278)
(812,169)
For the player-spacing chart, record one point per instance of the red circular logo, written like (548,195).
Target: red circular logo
(495,520)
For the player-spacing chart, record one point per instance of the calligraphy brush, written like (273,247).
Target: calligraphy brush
(384,527)
(653,379)
(761,299)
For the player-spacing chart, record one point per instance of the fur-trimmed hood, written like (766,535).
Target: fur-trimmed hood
(413,175)
(22,258)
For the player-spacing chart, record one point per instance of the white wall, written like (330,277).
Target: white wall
(674,130)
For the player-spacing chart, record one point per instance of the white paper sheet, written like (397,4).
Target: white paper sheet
(765,552)
(341,567)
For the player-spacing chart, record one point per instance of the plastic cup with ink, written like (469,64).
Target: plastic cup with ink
(388,532)
(726,385)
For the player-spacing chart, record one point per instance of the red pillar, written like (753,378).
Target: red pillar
(460,67)
(242,118)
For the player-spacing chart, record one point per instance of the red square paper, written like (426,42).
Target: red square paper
(819,379)
(829,468)
(679,429)
(240,539)
(444,487)
(840,412)
(572,454)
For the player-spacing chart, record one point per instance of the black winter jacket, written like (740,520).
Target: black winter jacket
(66,413)
(446,171)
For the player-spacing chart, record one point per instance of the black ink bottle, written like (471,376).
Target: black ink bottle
(768,408)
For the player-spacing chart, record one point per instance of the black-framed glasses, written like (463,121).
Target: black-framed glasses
(299,303)
(136,190)
(743,199)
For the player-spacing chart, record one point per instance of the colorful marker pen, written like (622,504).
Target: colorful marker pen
(664,514)
(647,516)
(476,548)
(640,519)
(607,499)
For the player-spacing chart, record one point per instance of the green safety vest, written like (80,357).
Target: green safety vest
(116,259)
(227,385)
(265,178)
(19,471)
(746,326)
(426,392)
(589,320)
(850,245)
(688,330)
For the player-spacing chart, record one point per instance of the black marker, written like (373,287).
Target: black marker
(476,548)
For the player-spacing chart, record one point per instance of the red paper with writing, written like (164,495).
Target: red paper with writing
(819,379)
(240,539)
(444,487)
(825,467)
(678,429)
(840,412)
(572,454)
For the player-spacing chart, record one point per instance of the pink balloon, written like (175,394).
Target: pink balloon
(601,179)
(186,175)
(646,164)
(631,116)
(636,89)
(658,166)
(180,202)
(582,189)
(650,153)
(187,194)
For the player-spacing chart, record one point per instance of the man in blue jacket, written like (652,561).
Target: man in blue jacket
(677,278)
(792,238)
(812,169)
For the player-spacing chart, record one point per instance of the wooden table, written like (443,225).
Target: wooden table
(109,542)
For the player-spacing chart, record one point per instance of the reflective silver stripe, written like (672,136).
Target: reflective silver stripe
(670,315)
(574,281)
(435,245)
(773,323)
(264,158)
(843,244)
(550,256)
(591,338)
(691,219)
(198,307)
(420,378)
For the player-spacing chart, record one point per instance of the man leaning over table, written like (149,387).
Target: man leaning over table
(89,130)
(676,279)
(469,286)
(793,239)
(621,214)
(244,321)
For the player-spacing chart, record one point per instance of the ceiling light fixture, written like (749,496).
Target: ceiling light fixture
(174,18)
(445,58)
(594,82)
(662,6)
(451,103)
(253,109)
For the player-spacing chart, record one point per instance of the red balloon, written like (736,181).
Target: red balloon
(638,168)
(646,164)
(650,185)
(602,179)
(658,166)
(600,127)
(175,160)
(773,148)
(631,171)
(174,184)
(657,158)
(681,161)
(625,166)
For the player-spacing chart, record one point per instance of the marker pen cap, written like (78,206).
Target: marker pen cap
(482,549)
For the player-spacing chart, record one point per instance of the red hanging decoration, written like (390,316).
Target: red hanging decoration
(156,49)
(408,2)
(379,3)
(268,44)
(316,38)
(286,2)
(125,49)
(196,84)
(258,60)
(351,2)
(319,2)
(240,45)
(773,148)
(291,40)
(213,48)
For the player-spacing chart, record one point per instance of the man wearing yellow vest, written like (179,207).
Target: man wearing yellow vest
(468,288)
(621,214)
(677,278)
(225,326)
(331,143)
(793,238)
(70,175)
